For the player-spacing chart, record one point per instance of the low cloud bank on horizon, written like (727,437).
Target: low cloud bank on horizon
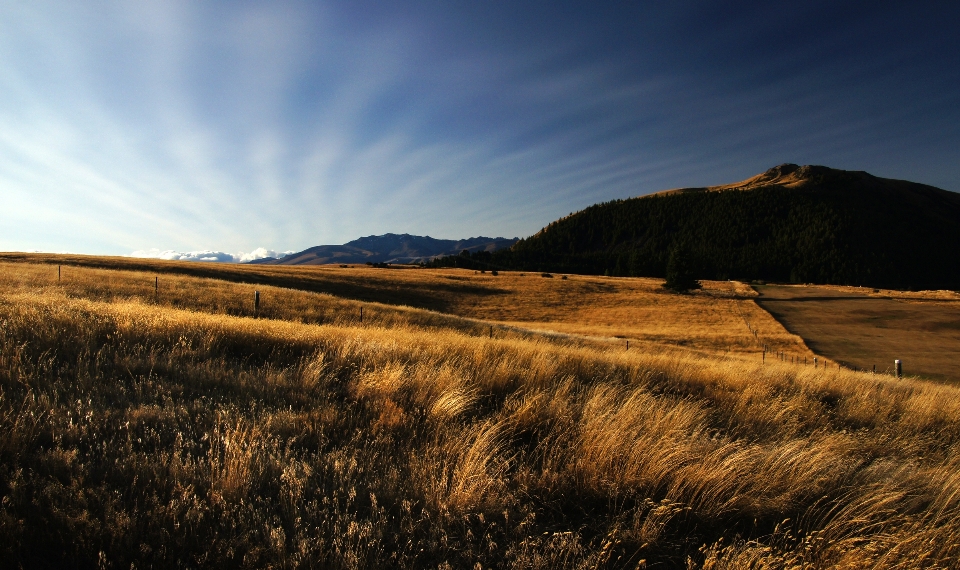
(208,255)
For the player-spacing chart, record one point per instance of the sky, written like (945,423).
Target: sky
(241,129)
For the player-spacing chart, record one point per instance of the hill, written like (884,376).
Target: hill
(389,248)
(809,224)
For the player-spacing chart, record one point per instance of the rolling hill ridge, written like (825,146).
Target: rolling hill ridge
(389,248)
(802,224)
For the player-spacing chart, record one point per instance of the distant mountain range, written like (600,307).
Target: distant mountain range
(789,224)
(389,248)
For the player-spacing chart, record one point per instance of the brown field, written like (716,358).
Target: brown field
(180,431)
(861,328)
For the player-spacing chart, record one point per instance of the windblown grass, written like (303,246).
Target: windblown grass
(137,433)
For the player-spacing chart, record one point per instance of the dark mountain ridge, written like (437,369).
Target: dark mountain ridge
(790,224)
(389,248)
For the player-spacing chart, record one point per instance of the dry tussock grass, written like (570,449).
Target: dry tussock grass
(721,318)
(219,297)
(133,433)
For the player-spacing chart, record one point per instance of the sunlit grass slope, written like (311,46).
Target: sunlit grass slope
(137,433)
(721,318)
(210,295)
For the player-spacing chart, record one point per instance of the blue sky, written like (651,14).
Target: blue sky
(232,126)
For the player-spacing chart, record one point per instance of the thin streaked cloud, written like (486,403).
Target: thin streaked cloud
(188,127)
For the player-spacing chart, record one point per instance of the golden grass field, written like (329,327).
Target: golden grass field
(719,318)
(178,430)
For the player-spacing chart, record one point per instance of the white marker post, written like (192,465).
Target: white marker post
(898,364)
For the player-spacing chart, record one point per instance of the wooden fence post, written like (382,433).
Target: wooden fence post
(156,286)
(256,303)
(58,274)
(361,314)
(899,366)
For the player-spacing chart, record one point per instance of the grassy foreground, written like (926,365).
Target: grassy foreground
(141,434)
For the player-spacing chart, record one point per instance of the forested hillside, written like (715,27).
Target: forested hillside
(791,224)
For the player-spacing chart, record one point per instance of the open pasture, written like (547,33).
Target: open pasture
(861,328)
(184,432)
(138,432)
(720,318)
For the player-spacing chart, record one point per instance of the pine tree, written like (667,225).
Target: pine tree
(679,271)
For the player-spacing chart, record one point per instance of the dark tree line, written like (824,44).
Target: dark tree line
(840,231)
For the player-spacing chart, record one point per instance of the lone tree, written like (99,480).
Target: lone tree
(679,271)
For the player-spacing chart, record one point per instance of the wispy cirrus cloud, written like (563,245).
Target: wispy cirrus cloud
(183,125)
